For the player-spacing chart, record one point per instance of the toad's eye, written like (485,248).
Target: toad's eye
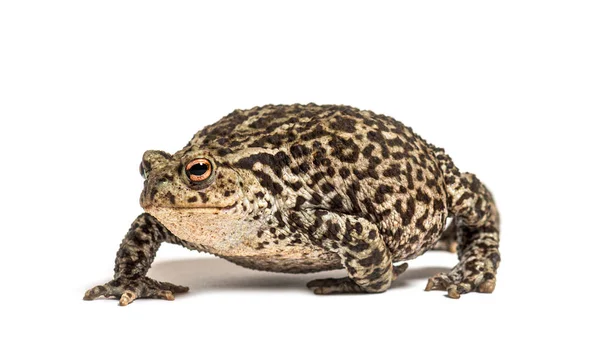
(198,170)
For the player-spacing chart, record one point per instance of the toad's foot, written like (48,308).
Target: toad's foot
(127,291)
(474,276)
(345,284)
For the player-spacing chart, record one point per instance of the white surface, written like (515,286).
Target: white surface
(510,89)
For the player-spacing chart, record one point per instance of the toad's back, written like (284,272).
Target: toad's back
(340,159)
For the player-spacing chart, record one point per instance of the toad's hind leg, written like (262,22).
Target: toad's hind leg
(361,249)
(477,231)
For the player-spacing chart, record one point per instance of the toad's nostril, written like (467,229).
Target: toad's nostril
(164,179)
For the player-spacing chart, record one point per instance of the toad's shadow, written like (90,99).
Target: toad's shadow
(215,274)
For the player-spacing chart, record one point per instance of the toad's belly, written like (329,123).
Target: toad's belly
(284,263)
(243,242)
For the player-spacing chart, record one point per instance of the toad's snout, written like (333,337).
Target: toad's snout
(155,188)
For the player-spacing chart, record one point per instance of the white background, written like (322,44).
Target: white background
(511,89)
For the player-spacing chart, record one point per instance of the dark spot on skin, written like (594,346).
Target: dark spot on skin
(171,197)
(317,176)
(224,151)
(374,275)
(299,201)
(372,234)
(330,171)
(359,174)
(336,203)
(316,133)
(192,199)
(438,205)
(374,161)
(316,199)
(282,159)
(380,193)
(358,228)
(374,259)
(333,228)
(422,196)
(297,222)
(320,212)
(344,149)
(204,197)
(377,137)
(409,180)
(384,189)
(495,258)
(227,193)
(350,269)
(372,172)
(276,162)
(327,187)
(298,151)
(366,152)
(463,198)
(343,124)
(273,139)
(344,172)
(408,215)
(393,170)
(369,206)
(279,218)
(359,247)
(267,182)
(421,220)
(431,183)
(304,167)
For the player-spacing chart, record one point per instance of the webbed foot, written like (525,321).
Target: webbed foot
(127,291)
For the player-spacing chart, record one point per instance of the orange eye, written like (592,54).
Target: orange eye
(198,170)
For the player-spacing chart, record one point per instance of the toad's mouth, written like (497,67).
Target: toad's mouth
(212,209)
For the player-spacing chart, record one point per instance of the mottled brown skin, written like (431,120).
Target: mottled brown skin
(305,188)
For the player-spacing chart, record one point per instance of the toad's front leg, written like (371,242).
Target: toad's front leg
(134,258)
